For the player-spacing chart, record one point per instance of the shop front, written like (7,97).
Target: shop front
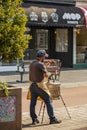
(54,28)
(80,44)
(80,48)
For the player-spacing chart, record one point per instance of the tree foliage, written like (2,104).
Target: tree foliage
(13,41)
(4,87)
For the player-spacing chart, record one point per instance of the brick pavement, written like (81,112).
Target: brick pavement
(78,119)
(69,78)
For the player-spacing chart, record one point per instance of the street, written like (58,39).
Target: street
(75,99)
(72,97)
(74,94)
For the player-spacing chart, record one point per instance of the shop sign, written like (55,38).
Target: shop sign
(44,17)
(33,16)
(54,17)
(72,18)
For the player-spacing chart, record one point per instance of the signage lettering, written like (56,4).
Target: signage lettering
(71,16)
(72,22)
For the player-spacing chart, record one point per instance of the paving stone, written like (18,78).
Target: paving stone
(78,120)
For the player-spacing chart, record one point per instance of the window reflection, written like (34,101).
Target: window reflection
(81,45)
(42,39)
(61,37)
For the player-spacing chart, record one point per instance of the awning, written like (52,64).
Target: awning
(84,10)
(53,15)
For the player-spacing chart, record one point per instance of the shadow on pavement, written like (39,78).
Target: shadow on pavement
(85,128)
(74,69)
(16,82)
(9,73)
(30,125)
(6,73)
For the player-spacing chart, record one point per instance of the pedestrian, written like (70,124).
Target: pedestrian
(37,73)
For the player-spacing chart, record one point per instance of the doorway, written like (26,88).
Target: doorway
(62,46)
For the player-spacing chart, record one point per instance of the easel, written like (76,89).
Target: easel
(54,87)
(55,95)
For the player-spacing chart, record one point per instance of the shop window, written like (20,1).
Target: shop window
(81,45)
(61,37)
(42,39)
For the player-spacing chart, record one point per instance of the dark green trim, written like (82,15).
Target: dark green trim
(80,65)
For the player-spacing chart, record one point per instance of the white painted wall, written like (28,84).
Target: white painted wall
(74,46)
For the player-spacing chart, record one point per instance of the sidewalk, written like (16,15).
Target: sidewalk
(69,79)
(78,120)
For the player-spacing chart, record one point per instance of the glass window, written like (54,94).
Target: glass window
(81,45)
(42,39)
(61,36)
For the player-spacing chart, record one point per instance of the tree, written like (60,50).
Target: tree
(13,41)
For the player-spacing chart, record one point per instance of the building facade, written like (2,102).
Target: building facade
(80,39)
(59,27)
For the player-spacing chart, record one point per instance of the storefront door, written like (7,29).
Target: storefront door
(62,47)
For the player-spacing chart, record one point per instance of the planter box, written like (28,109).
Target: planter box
(10,110)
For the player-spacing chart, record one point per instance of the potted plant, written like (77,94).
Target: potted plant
(4,87)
